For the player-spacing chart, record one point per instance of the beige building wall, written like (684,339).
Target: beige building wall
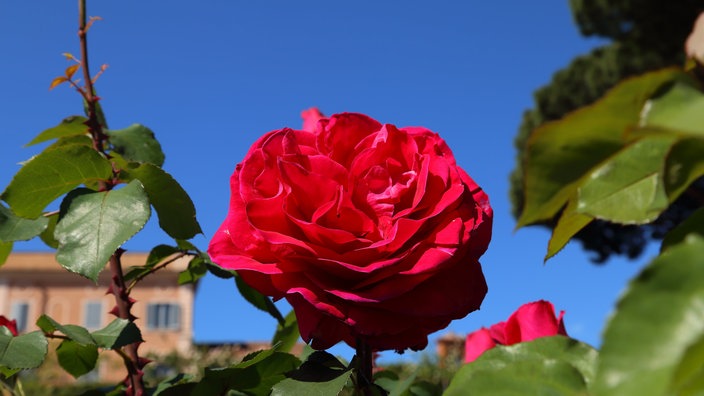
(37,282)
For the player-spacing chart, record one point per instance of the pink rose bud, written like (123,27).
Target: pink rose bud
(533,320)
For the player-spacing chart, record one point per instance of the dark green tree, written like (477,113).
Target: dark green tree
(643,35)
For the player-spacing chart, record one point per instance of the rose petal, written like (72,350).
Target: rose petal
(477,343)
(310,118)
(531,321)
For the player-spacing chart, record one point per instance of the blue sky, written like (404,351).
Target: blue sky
(210,77)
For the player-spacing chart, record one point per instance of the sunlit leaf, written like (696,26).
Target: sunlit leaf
(71,70)
(57,81)
(196,270)
(47,236)
(69,126)
(561,153)
(51,174)
(633,176)
(5,250)
(24,351)
(94,224)
(75,358)
(13,228)
(688,378)
(546,366)
(680,109)
(570,223)
(136,143)
(656,323)
(177,214)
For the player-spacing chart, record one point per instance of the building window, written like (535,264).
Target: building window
(20,313)
(163,316)
(93,315)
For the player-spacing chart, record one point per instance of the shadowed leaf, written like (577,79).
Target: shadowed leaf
(137,143)
(75,358)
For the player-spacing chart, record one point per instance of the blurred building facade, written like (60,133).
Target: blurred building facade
(32,284)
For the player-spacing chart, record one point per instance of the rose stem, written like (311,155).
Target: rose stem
(364,367)
(123,302)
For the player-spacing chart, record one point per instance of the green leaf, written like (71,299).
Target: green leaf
(47,236)
(570,223)
(116,334)
(545,366)
(156,255)
(51,174)
(75,358)
(8,372)
(180,384)
(259,300)
(75,333)
(657,321)
(196,270)
(679,109)
(561,153)
(177,215)
(692,225)
(69,126)
(286,335)
(137,143)
(5,250)
(24,351)
(13,228)
(684,165)
(523,377)
(252,377)
(688,378)
(628,188)
(94,224)
(217,270)
(401,388)
(81,140)
(320,375)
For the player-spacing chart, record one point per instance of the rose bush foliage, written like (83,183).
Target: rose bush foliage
(370,231)
(530,321)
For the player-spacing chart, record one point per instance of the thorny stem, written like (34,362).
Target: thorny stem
(96,130)
(123,302)
(122,309)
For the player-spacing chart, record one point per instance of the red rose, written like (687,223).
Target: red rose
(10,324)
(366,229)
(530,321)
